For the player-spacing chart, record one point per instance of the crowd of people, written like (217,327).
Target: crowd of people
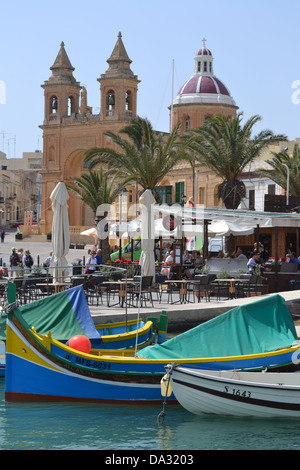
(193,262)
(20,260)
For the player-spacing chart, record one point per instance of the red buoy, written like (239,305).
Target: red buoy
(80,343)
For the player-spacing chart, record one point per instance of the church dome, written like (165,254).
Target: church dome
(203,86)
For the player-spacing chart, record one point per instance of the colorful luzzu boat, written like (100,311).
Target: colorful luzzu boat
(67,314)
(258,336)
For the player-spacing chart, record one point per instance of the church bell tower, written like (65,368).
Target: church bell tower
(118,86)
(61,91)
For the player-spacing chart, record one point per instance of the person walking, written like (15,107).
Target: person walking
(27,261)
(15,262)
(2,235)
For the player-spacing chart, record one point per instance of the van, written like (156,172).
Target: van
(126,251)
(215,245)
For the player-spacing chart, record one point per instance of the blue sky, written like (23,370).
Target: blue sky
(255,45)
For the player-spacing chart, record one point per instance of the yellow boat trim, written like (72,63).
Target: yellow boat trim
(21,349)
(128,335)
(114,355)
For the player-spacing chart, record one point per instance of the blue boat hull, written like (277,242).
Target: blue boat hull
(40,368)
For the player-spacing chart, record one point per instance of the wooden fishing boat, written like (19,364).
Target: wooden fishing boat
(67,314)
(236,393)
(42,368)
(121,335)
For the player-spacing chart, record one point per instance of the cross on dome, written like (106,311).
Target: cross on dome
(204,41)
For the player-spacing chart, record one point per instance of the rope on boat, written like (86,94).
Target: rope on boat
(10,307)
(162,414)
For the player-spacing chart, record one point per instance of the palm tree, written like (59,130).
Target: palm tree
(226,147)
(94,189)
(278,173)
(143,156)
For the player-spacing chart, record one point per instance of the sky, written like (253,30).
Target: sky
(255,45)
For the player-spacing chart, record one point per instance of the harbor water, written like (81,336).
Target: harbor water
(134,428)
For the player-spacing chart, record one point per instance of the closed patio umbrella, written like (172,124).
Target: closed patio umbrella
(60,232)
(147,260)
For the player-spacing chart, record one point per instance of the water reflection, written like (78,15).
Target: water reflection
(55,426)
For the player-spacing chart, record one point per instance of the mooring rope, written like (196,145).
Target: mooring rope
(162,414)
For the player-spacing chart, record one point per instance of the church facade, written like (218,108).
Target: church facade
(70,128)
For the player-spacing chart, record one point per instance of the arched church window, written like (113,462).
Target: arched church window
(110,102)
(128,101)
(187,123)
(53,104)
(70,105)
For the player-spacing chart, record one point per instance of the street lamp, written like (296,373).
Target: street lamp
(287,179)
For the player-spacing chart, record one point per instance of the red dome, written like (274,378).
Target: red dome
(204,51)
(203,84)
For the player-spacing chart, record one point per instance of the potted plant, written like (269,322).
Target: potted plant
(80,246)
(19,236)
(49,236)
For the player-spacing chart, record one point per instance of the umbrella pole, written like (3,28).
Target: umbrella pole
(126,301)
(138,319)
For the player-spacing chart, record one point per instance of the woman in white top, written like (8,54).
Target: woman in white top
(169,260)
(91,263)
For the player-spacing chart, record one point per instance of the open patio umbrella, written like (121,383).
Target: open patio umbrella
(226,228)
(147,259)
(91,232)
(60,232)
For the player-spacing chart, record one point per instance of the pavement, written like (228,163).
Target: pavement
(180,316)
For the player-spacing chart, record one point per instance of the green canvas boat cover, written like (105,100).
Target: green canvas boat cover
(65,314)
(258,327)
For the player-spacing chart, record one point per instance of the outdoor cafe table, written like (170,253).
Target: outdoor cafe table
(58,286)
(182,289)
(233,282)
(121,285)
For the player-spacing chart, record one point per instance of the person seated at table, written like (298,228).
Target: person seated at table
(91,263)
(98,258)
(186,257)
(47,261)
(239,254)
(291,258)
(253,262)
(166,269)
(197,265)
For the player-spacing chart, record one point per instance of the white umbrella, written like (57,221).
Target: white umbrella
(91,232)
(60,231)
(131,229)
(225,228)
(147,260)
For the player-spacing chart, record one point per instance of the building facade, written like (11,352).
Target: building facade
(70,128)
(19,187)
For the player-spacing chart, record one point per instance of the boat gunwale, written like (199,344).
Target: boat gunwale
(140,360)
(203,375)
